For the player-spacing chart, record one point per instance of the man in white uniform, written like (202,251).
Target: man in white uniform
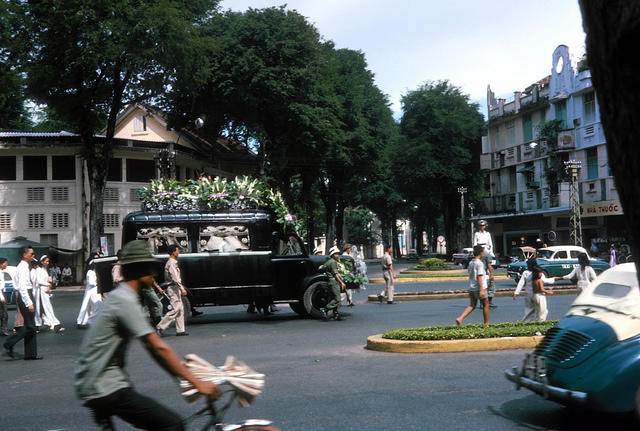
(483,238)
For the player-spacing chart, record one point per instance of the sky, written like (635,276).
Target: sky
(506,44)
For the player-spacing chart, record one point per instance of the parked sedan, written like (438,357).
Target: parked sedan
(557,261)
(591,358)
(464,254)
(9,291)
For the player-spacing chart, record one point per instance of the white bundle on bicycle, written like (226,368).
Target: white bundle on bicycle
(243,380)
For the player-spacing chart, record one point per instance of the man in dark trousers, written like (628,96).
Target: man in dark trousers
(330,267)
(100,379)
(25,304)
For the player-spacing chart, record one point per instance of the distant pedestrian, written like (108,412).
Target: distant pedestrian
(151,301)
(37,297)
(26,307)
(539,294)
(4,314)
(477,286)
(56,273)
(526,283)
(330,268)
(388,274)
(612,257)
(67,275)
(318,251)
(583,273)
(116,272)
(44,280)
(483,238)
(350,267)
(176,291)
(92,301)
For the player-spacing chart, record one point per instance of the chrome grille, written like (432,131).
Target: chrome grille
(562,346)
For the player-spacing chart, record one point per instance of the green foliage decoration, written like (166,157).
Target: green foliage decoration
(474,331)
(210,193)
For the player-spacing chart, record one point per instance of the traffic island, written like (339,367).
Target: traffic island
(461,338)
(377,343)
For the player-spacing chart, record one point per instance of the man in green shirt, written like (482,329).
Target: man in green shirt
(336,284)
(100,379)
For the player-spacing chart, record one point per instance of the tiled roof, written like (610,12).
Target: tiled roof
(59,134)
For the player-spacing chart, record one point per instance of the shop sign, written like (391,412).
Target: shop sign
(602,208)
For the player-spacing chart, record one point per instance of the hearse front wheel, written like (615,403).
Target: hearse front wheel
(316,296)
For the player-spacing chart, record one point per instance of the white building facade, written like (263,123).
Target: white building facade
(45,192)
(528,196)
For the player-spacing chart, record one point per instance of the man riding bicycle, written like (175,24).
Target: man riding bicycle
(100,379)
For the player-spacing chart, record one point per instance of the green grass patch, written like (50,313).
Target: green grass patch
(433,263)
(469,332)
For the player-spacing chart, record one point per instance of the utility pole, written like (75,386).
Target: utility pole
(572,167)
(471,206)
(462,191)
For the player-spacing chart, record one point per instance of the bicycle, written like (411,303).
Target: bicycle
(243,384)
(215,417)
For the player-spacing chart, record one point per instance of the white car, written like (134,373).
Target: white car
(591,358)
(9,286)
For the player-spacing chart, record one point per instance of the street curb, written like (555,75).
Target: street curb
(429,279)
(452,294)
(68,289)
(377,343)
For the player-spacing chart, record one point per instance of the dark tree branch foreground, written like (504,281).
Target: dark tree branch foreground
(613,32)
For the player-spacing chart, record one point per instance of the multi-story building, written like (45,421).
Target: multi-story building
(44,187)
(524,172)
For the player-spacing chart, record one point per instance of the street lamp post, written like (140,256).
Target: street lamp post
(471,206)
(462,191)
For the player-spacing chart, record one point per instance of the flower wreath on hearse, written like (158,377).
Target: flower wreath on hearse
(217,194)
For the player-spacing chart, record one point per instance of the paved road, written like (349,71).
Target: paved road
(319,376)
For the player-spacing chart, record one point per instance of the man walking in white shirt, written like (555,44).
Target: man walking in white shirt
(25,304)
(483,238)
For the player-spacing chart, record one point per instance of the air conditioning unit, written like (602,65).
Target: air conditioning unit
(566,141)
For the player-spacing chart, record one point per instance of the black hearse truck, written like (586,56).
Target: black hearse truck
(229,258)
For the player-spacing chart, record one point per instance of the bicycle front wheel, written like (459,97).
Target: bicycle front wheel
(257,428)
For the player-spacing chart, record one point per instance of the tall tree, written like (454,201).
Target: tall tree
(366,126)
(440,139)
(90,59)
(12,98)
(613,31)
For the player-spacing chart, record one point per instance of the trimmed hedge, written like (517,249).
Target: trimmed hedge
(433,263)
(466,332)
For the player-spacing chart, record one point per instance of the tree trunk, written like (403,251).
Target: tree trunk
(394,237)
(307,202)
(340,239)
(613,31)
(330,206)
(97,165)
